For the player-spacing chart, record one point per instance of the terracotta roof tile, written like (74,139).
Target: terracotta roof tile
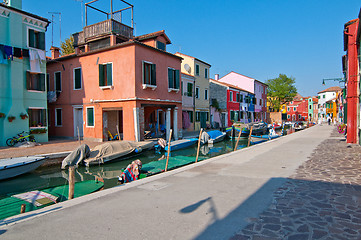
(331,89)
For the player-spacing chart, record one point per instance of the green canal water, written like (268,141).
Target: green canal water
(54,176)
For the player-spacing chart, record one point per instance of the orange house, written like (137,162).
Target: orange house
(115,83)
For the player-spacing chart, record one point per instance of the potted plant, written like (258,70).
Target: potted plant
(11,118)
(38,130)
(2,115)
(24,115)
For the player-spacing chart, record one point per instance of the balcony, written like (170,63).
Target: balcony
(101,29)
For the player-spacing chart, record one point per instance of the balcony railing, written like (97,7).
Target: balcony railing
(103,28)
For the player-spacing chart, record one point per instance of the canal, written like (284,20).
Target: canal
(54,176)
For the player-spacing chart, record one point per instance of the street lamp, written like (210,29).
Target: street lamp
(333,79)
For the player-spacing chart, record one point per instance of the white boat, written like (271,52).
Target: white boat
(12,167)
(215,136)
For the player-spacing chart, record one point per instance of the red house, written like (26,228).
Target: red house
(297,110)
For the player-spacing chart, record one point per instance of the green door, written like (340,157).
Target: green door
(203,120)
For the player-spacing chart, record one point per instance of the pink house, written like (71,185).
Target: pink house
(115,82)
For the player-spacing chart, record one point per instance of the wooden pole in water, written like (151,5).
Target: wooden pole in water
(71,182)
(239,135)
(170,137)
(78,135)
(249,137)
(23,208)
(118,132)
(199,143)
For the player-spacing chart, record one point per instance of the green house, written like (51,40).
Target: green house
(23,95)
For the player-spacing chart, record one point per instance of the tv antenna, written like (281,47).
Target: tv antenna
(82,15)
(52,27)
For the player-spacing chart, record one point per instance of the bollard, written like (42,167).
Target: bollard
(71,182)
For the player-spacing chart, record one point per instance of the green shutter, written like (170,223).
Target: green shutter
(154,75)
(109,75)
(41,82)
(170,78)
(58,81)
(101,75)
(176,79)
(189,89)
(31,38)
(77,80)
(41,40)
(90,116)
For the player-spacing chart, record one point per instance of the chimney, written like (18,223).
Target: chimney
(216,76)
(55,52)
(14,3)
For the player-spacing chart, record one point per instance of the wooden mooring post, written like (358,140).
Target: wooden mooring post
(118,133)
(168,153)
(199,143)
(239,135)
(79,136)
(23,208)
(250,136)
(71,182)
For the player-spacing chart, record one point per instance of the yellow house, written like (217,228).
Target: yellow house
(283,108)
(200,70)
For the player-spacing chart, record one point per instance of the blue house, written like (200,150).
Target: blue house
(23,93)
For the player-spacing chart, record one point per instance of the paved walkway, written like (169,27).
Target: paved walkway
(282,189)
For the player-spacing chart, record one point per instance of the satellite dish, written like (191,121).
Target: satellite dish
(187,68)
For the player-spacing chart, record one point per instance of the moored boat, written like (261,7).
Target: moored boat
(12,167)
(181,144)
(215,136)
(37,199)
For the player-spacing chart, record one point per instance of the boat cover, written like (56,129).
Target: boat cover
(112,150)
(77,156)
(214,134)
(204,137)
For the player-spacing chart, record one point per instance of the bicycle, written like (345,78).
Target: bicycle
(21,137)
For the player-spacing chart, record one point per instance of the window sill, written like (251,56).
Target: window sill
(153,87)
(36,91)
(173,90)
(105,87)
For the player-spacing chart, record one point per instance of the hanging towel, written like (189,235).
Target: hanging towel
(41,54)
(25,52)
(18,53)
(3,58)
(34,61)
(8,52)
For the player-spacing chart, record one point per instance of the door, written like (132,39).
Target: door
(78,122)
(203,120)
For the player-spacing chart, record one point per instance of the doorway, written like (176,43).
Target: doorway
(78,122)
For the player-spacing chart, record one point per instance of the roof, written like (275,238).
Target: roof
(331,89)
(228,85)
(238,74)
(297,97)
(124,44)
(331,100)
(153,35)
(26,13)
(194,58)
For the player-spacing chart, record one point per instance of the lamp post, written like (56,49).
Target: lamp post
(333,79)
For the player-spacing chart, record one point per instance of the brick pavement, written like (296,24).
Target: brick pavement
(322,200)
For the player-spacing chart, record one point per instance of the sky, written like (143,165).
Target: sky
(256,38)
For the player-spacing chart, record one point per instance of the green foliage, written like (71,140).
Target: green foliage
(280,90)
(215,104)
(67,46)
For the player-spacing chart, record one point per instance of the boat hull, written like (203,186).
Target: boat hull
(15,169)
(181,144)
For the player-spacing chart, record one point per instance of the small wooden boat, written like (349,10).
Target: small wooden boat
(36,199)
(12,167)
(235,132)
(215,136)
(181,144)
(257,139)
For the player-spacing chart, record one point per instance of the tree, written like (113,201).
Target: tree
(67,46)
(280,91)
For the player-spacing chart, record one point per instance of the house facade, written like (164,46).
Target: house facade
(324,97)
(97,92)
(351,67)
(218,100)
(312,107)
(257,94)
(23,96)
(200,71)
(188,97)
(297,109)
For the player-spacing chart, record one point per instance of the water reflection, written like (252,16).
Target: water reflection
(54,176)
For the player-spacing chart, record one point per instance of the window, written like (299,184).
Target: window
(319,97)
(254,100)
(37,117)
(197,92)
(90,117)
(105,74)
(206,72)
(324,96)
(231,96)
(310,107)
(36,39)
(173,78)
(190,114)
(288,116)
(294,109)
(161,45)
(241,98)
(207,116)
(77,78)
(149,74)
(299,116)
(260,102)
(231,115)
(48,82)
(189,90)
(206,95)
(198,116)
(35,81)
(58,117)
(197,69)
(237,97)
(57,81)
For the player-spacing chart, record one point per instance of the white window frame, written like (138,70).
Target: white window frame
(230,96)
(27,36)
(107,86)
(61,78)
(173,89)
(81,78)
(56,117)
(86,117)
(144,85)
